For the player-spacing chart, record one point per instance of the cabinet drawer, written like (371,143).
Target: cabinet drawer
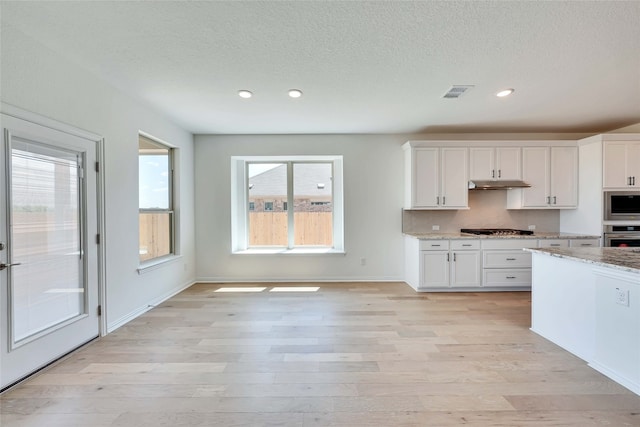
(584,243)
(463,245)
(434,245)
(554,243)
(509,243)
(506,259)
(521,277)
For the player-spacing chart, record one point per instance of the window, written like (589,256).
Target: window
(155,187)
(274,185)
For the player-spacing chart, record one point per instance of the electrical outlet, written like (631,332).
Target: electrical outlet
(622,297)
(435,228)
(532,227)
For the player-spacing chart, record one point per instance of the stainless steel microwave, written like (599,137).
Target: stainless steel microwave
(622,205)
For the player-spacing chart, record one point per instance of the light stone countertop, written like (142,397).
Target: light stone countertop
(457,236)
(625,259)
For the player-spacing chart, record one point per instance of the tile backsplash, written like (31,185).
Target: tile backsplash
(487,210)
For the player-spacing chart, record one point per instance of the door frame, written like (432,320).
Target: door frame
(19,113)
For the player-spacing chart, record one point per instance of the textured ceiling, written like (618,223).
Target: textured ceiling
(364,67)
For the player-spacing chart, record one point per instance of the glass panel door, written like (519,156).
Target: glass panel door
(46,286)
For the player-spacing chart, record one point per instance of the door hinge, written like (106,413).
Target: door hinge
(97,166)
(97,239)
(99,310)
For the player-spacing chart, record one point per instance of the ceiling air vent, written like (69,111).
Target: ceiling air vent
(456,91)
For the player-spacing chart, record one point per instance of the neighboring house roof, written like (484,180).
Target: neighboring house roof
(274,181)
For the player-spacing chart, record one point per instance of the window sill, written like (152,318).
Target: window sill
(295,251)
(154,264)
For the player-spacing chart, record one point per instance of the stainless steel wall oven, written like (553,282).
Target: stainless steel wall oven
(622,236)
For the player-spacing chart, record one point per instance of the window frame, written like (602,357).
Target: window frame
(171,209)
(240,205)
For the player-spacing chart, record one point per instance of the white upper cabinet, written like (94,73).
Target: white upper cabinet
(436,177)
(621,165)
(495,163)
(553,175)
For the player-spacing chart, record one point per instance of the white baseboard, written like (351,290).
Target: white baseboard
(112,326)
(289,280)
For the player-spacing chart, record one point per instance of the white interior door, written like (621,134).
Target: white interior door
(48,250)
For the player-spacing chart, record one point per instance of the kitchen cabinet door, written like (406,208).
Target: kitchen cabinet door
(508,163)
(465,269)
(621,165)
(435,269)
(454,178)
(535,171)
(426,179)
(563,190)
(481,163)
(633,163)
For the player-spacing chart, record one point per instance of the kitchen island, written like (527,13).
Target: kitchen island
(587,300)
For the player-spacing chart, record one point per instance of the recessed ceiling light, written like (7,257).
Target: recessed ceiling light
(295,93)
(245,93)
(504,93)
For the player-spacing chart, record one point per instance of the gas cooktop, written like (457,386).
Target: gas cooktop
(496,231)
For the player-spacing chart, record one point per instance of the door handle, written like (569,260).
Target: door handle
(3,265)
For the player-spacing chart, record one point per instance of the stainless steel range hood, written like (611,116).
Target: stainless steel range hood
(497,185)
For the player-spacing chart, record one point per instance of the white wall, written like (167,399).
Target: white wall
(373,183)
(587,218)
(39,80)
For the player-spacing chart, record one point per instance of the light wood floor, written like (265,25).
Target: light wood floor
(369,354)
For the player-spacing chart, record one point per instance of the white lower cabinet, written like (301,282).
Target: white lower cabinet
(445,264)
(505,264)
(461,264)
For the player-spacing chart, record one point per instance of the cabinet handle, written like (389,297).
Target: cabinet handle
(633,180)
(554,244)
(437,200)
(586,244)
(554,200)
(511,259)
(511,277)
(447,256)
(493,173)
(629,181)
(466,244)
(443,201)
(548,200)
(435,246)
(454,257)
(499,173)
